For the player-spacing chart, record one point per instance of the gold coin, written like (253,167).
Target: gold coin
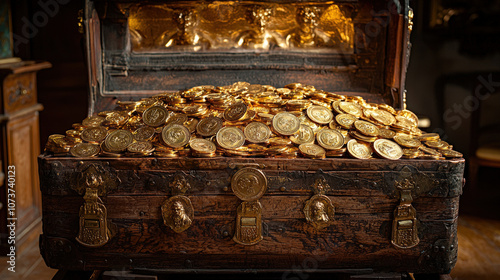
(176,119)
(92,121)
(305,135)
(144,133)
(191,124)
(407,141)
(382,117)
(249,184)
(175,135)
(366,128)
(200,145)
(428,137)
(285,123)
(116,118)
(359,150)
(351,108)
(278,141)
(141,147)
(386,133)
(73,133)
(155,116)
(430,151)
(94,134)
(330,139)
(235,112)
(257,132)
(362,137)
(436,144)
(118,140)
(85,150)
(312,150)
(345,120)
(388,149)
(209,126)
(451,154)
(230,137)
(319,114)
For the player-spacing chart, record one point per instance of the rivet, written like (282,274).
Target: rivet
(282,189)
(225,189)
(130,261)
(225,233)
(142,213)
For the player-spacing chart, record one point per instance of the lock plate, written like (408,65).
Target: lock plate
(404,226)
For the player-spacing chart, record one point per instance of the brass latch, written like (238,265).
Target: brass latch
(249,184)
(93,216)
(178,211)
(319,209)
(404,226)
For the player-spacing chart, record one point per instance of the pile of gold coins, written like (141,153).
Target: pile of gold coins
(246,120)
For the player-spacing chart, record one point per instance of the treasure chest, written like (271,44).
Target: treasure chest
(229,182)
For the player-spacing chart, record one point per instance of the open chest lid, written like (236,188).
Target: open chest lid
(136,49)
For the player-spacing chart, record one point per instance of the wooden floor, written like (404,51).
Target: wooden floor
(478,254)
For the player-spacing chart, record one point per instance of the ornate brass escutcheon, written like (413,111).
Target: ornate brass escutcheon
(178,211)
(319,209)
(249,184)
(404,226)
(93,221)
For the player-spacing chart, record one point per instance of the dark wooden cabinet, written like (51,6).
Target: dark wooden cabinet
(20,147)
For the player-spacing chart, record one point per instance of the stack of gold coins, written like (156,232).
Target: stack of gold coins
(246,120)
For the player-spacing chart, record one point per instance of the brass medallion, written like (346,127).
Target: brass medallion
(285,123)
(305,135)
(330,139)
(178,213)
(320,114)
(209,126)
(230,137)
(387,149)
(235,112)
(141,147)
(312,151)
(155,116)
(257,132)
(175,135)
(248,223)
(319,211)
(85,150)
(345,120)
(144,133)
(92,121)
(94,134)
(366,128)
(118,140)
(383,117)
(407,141)
(202,146)
(249,184)
(359,150)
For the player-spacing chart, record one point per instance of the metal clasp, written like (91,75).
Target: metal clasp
(319,209)
(178,211)
(93,219)
(404,226)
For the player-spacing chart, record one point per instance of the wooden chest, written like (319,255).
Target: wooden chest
(244,214)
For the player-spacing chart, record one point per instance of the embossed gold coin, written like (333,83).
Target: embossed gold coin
(451,154)
(387,149)
(430,151)
(249,184)
(257,132)
(305,135)
(155,116)
(201,145)
(175,135)
(235,112)
(230,137)
(177,119)
(94,134)
(141,147)
(92,121)
(407,141)
(144,133)
(209,126)
(312,151)
(330,139)
(345,120)
(285,123)
(351,108)
(386,133)
(320,114)
(366,128)
(359,150)
(118,140)
(382,117)
(85,150)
